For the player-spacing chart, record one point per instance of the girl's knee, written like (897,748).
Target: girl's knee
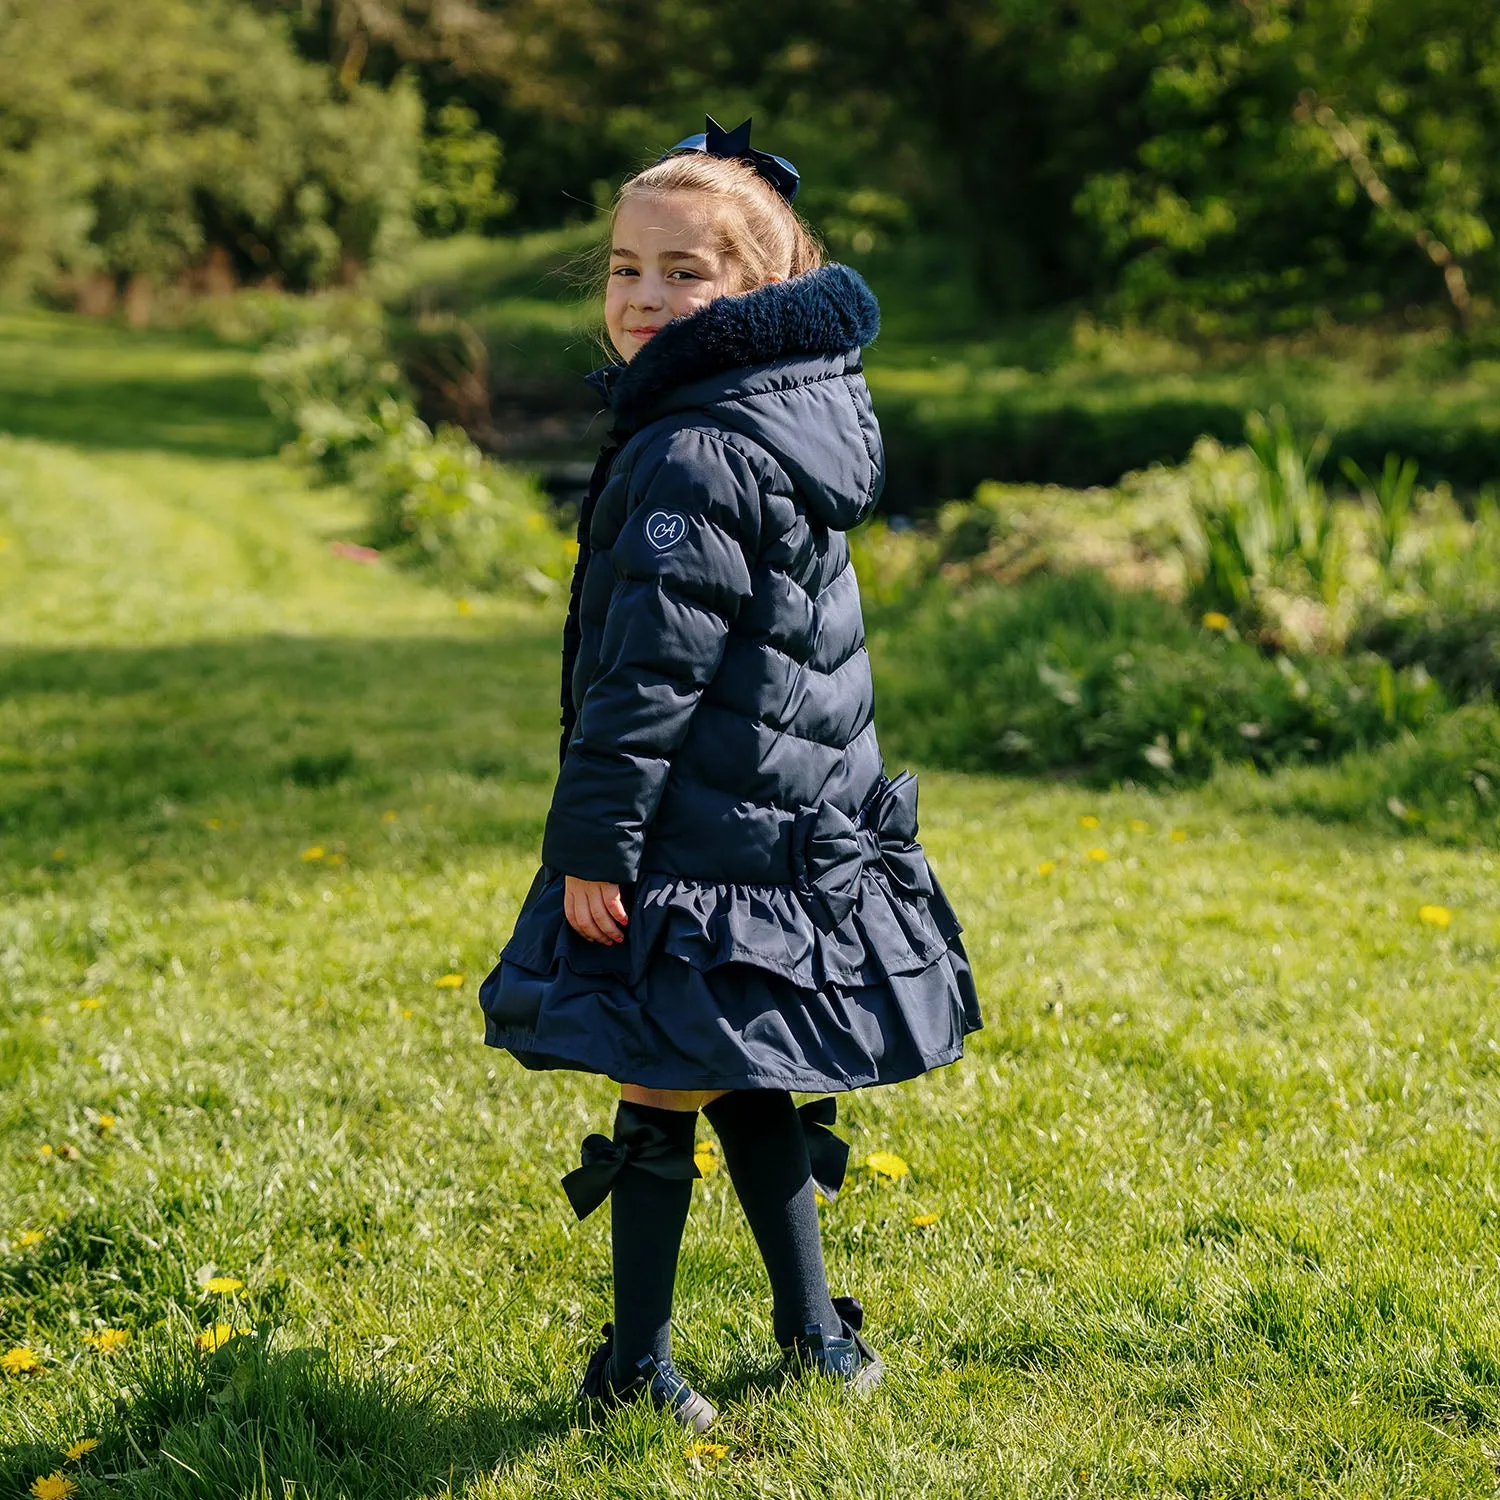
(684,1100)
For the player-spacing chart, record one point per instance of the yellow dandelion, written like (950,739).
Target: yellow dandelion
(1213,620)
(221,1285)
(22,1360)
(44,1152)
(90,1002)
(406,1015)
(1098,854)
(217,1336)
(1046,867)
(214,823)
(464,607)
(54,1486)
(59,853)
(819,1199)
(311,854)
(1088,821)
(451,982)
(82,1446)
(1435,916)
(107,1340)
(28,1237)
(389,816)
(1178,836)
(711,1451)
(1139,825)
(886,1164)
(106,1121)
(706,1158)
(925,1221)
(335,859)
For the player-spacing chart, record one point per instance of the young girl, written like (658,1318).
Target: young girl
(732,904)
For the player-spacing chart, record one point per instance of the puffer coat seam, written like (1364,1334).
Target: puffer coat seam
(864,437)
(778,730)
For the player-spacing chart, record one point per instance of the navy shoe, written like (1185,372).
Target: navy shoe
(667,1389)
(847,1357)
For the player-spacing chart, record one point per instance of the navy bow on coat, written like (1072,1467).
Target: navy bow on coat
(830,850)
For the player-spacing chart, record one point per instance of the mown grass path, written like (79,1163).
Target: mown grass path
(1215,1191)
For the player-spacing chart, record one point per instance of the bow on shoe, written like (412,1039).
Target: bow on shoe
(833,850)
(828,1154)
(643,1144)
(851,1310)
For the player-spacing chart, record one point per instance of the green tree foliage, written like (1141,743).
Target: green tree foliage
(460,188)
(134,137)
(1217,164)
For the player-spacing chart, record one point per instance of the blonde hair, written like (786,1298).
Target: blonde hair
(758,228)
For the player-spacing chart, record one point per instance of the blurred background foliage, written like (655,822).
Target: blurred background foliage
(1189,368)
(1235,167)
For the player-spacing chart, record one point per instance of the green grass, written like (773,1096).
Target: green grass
(1217,1183)
(100,386)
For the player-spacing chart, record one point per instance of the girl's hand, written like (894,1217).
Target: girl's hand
(594,909)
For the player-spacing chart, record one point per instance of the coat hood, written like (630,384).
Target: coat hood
(780,364)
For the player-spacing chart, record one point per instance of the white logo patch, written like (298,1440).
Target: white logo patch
(665,528)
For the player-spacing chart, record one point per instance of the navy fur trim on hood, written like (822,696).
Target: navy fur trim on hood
(829,310)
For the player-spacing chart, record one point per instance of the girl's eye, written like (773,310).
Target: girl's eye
(623,271)
(690,275)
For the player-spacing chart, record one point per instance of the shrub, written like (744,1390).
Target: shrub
(1067,673)
(136,137)
(1260,534)
(1444,783)
(337,392)
(437,502)
(1461,651)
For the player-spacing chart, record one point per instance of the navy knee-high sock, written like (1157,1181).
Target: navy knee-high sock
(647,1217)
(765,1151)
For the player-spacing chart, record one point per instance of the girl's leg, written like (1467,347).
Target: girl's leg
(683,1099)
(765,1150)
(647,1217)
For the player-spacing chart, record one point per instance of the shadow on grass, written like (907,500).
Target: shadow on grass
(100,748)
(98,385)
(244,1420)
(200,415)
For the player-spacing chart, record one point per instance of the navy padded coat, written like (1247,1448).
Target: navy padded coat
(719,755)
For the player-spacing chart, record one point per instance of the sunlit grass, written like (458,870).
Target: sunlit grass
(1207,1210)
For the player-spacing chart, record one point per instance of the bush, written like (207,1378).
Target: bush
(1067,673)
(1444,783)
(136,137)
(438,503)
(1461,651)
(336,390)
(435,501)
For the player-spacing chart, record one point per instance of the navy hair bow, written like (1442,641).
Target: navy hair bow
(716,141)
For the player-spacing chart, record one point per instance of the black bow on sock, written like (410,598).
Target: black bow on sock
(827,1153)
(636,1141)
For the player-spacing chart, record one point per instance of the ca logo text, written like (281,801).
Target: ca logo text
(665,528)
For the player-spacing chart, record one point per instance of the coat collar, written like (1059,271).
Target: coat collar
(829,310)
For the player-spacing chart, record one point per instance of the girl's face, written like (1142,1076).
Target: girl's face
(665,261)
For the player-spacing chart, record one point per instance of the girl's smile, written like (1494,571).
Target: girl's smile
(666,260)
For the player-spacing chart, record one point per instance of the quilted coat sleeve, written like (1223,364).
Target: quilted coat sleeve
(682,571)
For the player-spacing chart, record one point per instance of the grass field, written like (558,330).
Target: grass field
(1217,1188)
